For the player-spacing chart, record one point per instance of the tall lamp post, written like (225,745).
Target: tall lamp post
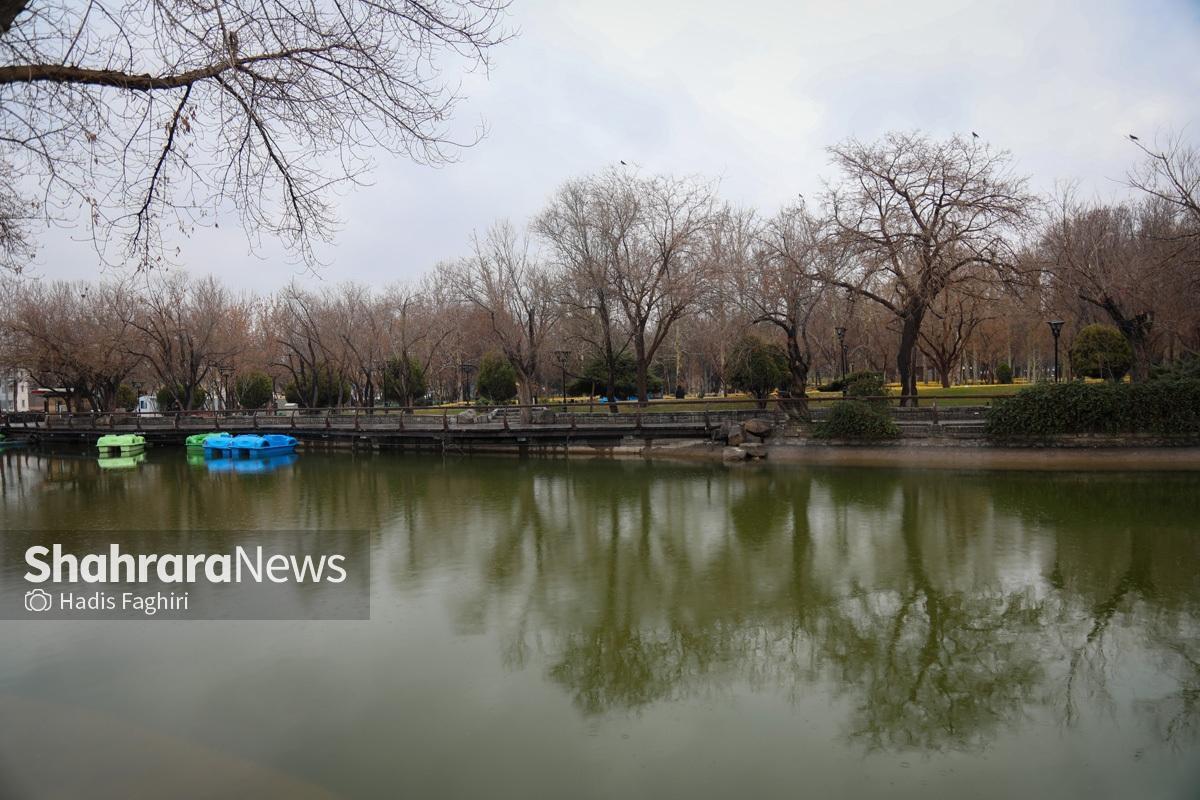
(137,391)
(1056,329)
(467,368)
(224,370)
(561,357)
(841,334)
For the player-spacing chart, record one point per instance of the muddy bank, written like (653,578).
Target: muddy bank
(934,456)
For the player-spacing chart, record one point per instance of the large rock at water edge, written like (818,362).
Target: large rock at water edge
(755,450)
(734,454)
(758,426)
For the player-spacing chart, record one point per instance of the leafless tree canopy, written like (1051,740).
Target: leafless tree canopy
(782,285)
(932,260)
(920,215)
(1171,173)
(514,292)
(636,252)
(151,115)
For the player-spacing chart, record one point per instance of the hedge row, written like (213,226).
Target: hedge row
(1161,407)
(855,419)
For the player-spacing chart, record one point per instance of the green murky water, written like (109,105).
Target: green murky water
(620,629)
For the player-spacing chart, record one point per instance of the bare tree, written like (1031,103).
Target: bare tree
(1121,260)
(361,333)
(918,215)
(516,293)
(302,341)
(185,331)
(153,113)
(419,322)
(780,286)
(443,334)
(589,227)
(16,249)
(662,268)
(1172,174)
(957,313)
(71,337)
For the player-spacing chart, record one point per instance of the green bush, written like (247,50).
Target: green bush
(854,419)
(404,381)
(1160,407)
(594,378)
(1004,374)
(863,385)
(758,367)
(1186,368)
(497,381)
(1100,351)
(253,390)
(126,398)
(854,377)
(331,389)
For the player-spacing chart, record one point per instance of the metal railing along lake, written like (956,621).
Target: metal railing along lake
(573,414)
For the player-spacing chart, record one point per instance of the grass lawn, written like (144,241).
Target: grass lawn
(954,396)
(976,395)
(731,403)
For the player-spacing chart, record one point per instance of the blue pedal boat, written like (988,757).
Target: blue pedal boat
(255,465)
(252,465)
(271,444)
(218,444)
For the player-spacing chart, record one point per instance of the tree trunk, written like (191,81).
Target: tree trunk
(643,370)
(9,11)
(795,400)
(1141,359)
(906,360)
(525,396)
(943,367)
(1137,332)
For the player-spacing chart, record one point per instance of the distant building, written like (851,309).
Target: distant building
(14,391)
(52,401)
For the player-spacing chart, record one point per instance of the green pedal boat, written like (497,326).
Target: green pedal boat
(121,444)
(195,442)
(121,462)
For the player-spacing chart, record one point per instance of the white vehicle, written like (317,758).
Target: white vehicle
(147,404)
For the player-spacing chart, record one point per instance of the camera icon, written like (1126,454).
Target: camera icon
(38,600)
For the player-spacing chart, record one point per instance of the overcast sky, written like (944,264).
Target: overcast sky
(750,93)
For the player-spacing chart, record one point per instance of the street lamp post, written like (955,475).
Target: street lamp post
(224,370)
(137,400)
(1056,329)
(467,368)
(377,368)
(841,335)
(561,357)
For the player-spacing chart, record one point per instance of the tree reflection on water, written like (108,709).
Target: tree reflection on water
(942,610)
(939,609)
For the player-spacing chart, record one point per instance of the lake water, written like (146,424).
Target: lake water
(578,629)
